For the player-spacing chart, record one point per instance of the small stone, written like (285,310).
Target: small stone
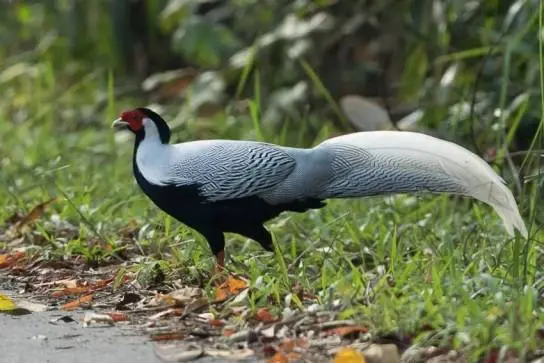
(269,332)
(313,308)
(382,353)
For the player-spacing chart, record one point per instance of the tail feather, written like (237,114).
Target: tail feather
(382,162)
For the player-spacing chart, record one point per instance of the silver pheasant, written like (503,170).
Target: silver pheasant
(217,186)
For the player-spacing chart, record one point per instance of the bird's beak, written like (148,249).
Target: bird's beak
(119,124)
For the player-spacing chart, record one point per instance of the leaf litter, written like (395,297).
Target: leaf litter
(184,322)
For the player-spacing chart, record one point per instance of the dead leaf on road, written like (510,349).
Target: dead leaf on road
(7,306)
(116,316)
(167,336)
(348,355)
(84,300)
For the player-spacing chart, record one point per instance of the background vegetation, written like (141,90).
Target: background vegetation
(469,71)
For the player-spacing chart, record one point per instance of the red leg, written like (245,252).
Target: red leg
(216,241)
(220,265)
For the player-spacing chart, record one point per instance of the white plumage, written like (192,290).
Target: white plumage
(410,161)
(354,165)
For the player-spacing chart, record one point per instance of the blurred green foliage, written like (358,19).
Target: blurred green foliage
(461,67)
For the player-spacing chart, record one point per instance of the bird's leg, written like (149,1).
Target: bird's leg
(220,258)
(216,241)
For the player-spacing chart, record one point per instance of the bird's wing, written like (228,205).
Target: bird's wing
(229,170)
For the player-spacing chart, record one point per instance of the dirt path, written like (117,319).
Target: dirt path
(33,339)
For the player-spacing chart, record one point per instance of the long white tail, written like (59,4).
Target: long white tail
(383,162)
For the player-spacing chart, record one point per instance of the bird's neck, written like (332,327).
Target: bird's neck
(151,158)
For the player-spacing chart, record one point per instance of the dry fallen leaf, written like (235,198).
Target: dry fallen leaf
(167,336)
(78,290)
(217,322)
(287,351)
(228,332)
(99,284)
(67,283)
(278,358)
(115,316)
(231,286)
(74,289)
(9,259)
(288,345)
(350,331)
(221,295)
(9,307)
(162,300)
(33,215)
(294,356)
(265,316)
(78,302)
(348,355)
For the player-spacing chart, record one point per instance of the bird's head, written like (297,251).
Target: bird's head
(143,123)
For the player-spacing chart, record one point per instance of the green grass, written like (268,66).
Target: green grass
(401,263)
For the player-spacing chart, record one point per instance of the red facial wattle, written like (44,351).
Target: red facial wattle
(134,119)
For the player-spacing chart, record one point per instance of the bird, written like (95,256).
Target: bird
(218,186)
